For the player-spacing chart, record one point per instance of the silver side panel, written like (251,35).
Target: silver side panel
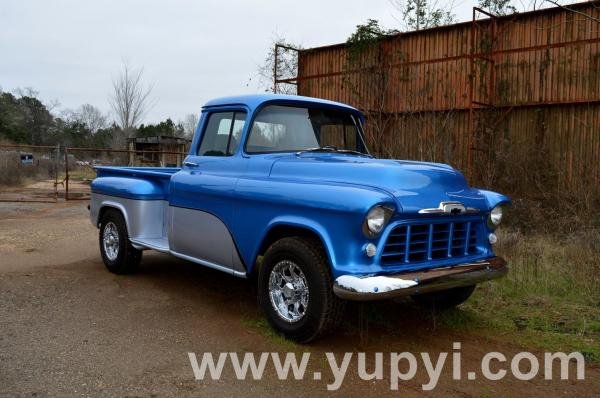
(144,218)
(201,235)
(191,234)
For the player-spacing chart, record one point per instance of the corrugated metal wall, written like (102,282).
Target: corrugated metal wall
(539,70)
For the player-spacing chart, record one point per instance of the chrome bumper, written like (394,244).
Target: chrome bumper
(425,281)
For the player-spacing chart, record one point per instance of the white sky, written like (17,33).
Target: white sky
(191,51)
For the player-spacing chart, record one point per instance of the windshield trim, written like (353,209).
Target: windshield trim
(361,134)
(354,115)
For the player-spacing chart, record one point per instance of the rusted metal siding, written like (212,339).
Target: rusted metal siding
(544,90)
(547,56)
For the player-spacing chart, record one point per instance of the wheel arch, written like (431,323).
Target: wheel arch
(280,229)
(107,205)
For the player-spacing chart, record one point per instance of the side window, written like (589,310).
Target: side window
(338,135)
(222,134)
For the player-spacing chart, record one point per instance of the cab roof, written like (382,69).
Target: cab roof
(253,101)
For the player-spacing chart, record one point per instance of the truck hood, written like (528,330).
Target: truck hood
(413,185)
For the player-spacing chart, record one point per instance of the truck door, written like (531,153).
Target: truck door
(202,201)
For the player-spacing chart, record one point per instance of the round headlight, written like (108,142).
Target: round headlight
(496,215)
(376,220)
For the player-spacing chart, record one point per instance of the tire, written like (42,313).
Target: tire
(316,310)
(119,256)
(444,299)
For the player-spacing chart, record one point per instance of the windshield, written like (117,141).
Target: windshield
(291,129)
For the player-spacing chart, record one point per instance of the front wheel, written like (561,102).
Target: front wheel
(295,290)
(444,299)
(119,256)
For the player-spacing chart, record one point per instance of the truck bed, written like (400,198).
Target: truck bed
(141,183)
(142,195)
(160,172)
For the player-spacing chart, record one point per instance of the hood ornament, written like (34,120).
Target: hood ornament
(449,208)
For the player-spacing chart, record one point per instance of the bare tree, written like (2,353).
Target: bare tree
(130,99)
(189,123)
(88,115)
(26,92)
(567,8)
(286,67)
(423,14)
(33,93)
(498,7)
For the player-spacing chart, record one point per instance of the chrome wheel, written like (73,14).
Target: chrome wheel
(288,291)
(110,241)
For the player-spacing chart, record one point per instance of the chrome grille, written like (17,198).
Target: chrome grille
(418,242)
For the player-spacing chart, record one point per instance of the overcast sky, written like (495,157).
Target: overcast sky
(191,51)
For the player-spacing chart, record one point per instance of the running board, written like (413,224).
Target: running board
(162,245)
(158,244)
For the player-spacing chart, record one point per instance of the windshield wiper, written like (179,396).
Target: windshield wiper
(326,148)
(332,148)
(355,152)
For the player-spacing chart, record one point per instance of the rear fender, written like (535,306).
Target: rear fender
(143,218)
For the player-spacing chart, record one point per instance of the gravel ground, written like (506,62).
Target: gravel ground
(70,328)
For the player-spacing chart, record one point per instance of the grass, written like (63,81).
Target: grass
(550,299)
(260,325)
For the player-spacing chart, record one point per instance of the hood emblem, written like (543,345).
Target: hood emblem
(449,208)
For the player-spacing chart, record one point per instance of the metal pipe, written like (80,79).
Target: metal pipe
(74,149)
(56,163)
(27,146)
(275,69)
(66,173)
(451,58)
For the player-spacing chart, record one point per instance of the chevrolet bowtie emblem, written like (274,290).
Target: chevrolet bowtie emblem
(449,208)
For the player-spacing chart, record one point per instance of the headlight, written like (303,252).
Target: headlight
(376,220)
(495,217)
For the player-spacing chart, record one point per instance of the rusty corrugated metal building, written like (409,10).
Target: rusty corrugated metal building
(494,96)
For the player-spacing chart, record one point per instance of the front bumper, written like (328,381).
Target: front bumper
(406,284)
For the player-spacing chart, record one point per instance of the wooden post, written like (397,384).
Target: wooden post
(131,147)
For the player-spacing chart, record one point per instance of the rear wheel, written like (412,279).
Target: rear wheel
(119,256)
(295,290)
(444,299)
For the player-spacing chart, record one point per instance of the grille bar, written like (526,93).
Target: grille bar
(430,242)
(419,242)
(468,238)
(450,238)
(407,252)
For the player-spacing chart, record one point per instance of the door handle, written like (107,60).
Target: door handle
(190,164)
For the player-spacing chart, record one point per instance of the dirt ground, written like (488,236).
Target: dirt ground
(70,328)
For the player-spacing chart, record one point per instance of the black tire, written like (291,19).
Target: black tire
(324,309)
(127,257)
(444,299)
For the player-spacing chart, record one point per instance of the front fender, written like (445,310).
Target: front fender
(334,212)
(494,199)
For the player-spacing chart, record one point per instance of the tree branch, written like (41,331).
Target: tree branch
(572,10)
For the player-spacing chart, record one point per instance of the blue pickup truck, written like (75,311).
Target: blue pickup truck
(283,189)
